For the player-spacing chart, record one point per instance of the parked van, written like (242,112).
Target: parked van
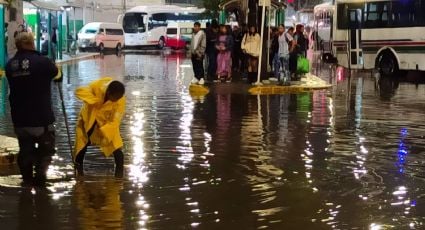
(179,34)
(101,36)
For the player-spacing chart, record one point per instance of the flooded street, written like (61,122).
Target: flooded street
(351,157)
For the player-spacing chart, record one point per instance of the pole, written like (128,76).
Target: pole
(49,32)
(84,12)
(263,18)
(67,32)
(268,38)
(65,117)
(75,29)
(60,40)
(38,29)
(3,51)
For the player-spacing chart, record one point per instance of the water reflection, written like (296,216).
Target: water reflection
(98,203)
(36,210)
(343,158)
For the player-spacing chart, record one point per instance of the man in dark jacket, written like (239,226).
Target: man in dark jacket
(29,75)
(211,51)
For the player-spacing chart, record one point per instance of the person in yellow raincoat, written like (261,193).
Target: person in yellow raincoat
(99,121)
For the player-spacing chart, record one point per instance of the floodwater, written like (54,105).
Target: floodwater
(351,157)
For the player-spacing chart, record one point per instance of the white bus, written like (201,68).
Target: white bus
(382,34)
(322,32)
(147,25)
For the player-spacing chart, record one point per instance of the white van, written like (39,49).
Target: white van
(101,36)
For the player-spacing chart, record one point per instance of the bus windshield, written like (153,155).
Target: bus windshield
(133,22)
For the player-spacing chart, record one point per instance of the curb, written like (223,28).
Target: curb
(265,90)
(8,150)
(80,58)
(8,158)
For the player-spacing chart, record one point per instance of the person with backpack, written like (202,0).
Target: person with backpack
(251,47)
(286,46)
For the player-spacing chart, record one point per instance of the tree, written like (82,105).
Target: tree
(212,9)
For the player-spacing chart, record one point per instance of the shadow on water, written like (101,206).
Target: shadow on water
(350,157)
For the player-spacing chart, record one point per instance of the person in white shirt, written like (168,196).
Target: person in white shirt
(285,47)
(197,50)
(251,47)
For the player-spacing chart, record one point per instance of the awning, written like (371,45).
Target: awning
(45,5)
(275,3)
(72,4)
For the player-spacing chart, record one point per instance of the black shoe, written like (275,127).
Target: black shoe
(40,180)
(78,169)
(27,183)
(119,172)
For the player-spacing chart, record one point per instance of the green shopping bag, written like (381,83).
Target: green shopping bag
(303,65)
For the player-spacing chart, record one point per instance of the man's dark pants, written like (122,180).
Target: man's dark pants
(118,156)
(36,148)
(198,66)
(212,64)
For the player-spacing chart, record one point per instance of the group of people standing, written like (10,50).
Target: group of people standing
(286,47)
(226,50)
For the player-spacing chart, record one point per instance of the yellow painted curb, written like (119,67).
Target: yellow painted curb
(277,89)
(198,90)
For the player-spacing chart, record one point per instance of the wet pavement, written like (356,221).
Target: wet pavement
(351,157)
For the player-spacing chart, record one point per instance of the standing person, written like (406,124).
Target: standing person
(293,55)
(197,50)
(274,53)
(211,51)
(54,43)
(99,122)
(243,68)
(251,47)
(285,48)
(29,75)
(302,40)
(224,46)
(301,44)
(237,51)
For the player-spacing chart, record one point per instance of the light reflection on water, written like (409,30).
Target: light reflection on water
(340,159)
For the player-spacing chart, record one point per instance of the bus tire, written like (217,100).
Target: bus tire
(101,47)
(387,63)
(161,43)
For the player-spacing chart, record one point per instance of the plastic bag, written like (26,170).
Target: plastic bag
(303,65)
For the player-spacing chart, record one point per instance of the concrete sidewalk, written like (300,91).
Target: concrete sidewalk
(307,84)
(8,150)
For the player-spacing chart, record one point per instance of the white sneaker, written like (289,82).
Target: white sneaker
(194,81)
(201,82)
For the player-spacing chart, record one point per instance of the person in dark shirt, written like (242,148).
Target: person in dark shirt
(29,75)
(210,51)
(237,51)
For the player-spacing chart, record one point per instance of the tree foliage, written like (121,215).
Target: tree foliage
(212,9)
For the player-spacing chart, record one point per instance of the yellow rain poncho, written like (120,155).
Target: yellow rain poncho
(107,116)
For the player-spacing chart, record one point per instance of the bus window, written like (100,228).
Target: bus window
(114,32)
(403,13)
(172,31)
(376,15)
(186,31)
(133,23)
